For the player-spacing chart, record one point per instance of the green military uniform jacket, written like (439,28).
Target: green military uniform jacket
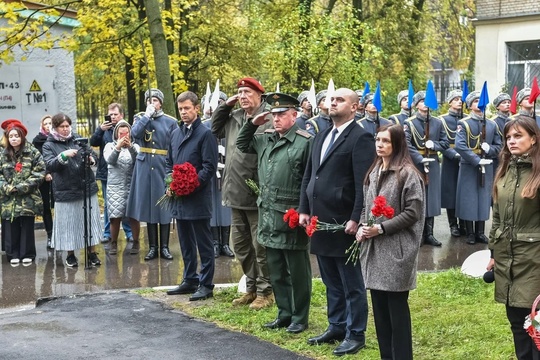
(282,161)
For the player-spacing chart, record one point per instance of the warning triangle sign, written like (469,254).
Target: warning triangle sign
(35,86)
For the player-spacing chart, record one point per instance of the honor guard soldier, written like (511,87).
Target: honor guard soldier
(306,110)
(478,142)
(502,104)
(405,113)
(525,107)
(322,121)
(360,111)
(450,164)
(426,136)
(371,121)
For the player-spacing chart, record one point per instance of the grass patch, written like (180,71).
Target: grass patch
(453,316)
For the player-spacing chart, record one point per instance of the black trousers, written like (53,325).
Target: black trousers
(18,237)
(392,324)
(523,343)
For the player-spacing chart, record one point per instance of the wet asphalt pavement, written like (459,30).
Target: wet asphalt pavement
(79,318)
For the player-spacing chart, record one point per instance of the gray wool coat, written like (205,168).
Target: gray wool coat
(389,261)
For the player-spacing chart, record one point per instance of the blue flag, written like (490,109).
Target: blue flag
(465,91)
(367,90)
(411,95)
(377,101)
(483,102)
(431,99)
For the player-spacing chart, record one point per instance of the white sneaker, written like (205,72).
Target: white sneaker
(27,261)
(14,261)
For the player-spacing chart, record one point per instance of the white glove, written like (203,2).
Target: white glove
(221,150)
(427,160)
(457,156)
(150,110)
(430,144)
(220,166)
(485,147)
(485,161)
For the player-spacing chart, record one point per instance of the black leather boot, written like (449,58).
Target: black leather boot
(151,230)
(480,227)
(225,234)
(462,229)
(215,238)
(452,221)
(164,233)
(471,239)
(429,238)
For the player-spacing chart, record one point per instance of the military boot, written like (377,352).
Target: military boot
(215,238)
(164,233)
(471,238)
(151,229)
(429,239)
(480,227)
(452,221)
(225,234)
(462,229)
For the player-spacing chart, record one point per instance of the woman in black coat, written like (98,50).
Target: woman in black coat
(45,188)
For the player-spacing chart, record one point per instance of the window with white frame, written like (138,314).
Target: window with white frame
(522,63)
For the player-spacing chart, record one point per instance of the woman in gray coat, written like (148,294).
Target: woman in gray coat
(120,156)
(389,248)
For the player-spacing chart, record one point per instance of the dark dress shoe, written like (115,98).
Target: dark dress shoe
(296,328)
(202,293)
(327,337)
(152,254)
(278,323)
(184,288)
(430,240)
(454,231)
(483,239)
(348,346)
(226,250)
(165,253)
(471,239)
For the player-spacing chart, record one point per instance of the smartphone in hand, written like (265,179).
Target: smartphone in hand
(108,119)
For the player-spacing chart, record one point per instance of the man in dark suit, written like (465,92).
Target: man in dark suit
(332,190)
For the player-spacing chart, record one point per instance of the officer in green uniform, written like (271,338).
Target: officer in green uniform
(283,153)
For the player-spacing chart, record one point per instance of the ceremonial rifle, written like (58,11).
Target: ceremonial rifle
(483,154)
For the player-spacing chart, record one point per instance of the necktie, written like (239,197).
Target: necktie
(334,132)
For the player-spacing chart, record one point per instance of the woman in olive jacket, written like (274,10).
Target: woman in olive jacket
(514,239)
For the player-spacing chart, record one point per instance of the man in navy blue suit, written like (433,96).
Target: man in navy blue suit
(332,189)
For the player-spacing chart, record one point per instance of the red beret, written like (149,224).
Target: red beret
(9,124)
(251,83)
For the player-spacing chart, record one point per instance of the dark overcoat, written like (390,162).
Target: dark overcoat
(450,162)
(415,132)
(370,123)
(148,181)
(198,147)
(333,189)
(473,201)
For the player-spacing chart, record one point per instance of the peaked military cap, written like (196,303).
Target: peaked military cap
(500,98)
(281,102)
(522,94)
(456,93)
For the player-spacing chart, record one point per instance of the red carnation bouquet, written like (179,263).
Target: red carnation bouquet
(293,218)
(183,181)
(380,208)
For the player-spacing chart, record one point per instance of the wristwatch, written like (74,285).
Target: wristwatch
(379,229)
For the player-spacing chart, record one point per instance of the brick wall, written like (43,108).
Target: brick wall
(488,9)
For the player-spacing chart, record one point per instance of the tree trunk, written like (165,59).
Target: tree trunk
(161,57)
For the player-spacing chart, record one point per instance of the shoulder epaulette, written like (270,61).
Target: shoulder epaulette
(269,131)
(304,133)
(170,117)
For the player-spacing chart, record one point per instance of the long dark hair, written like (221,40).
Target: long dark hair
(400,151)
(9,149)
(533,184)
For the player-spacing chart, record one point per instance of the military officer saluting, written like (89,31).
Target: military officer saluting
(426,136)
(450,164)
(371,121)
(405,113)
(322,121)
(283,153)
(478,142)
